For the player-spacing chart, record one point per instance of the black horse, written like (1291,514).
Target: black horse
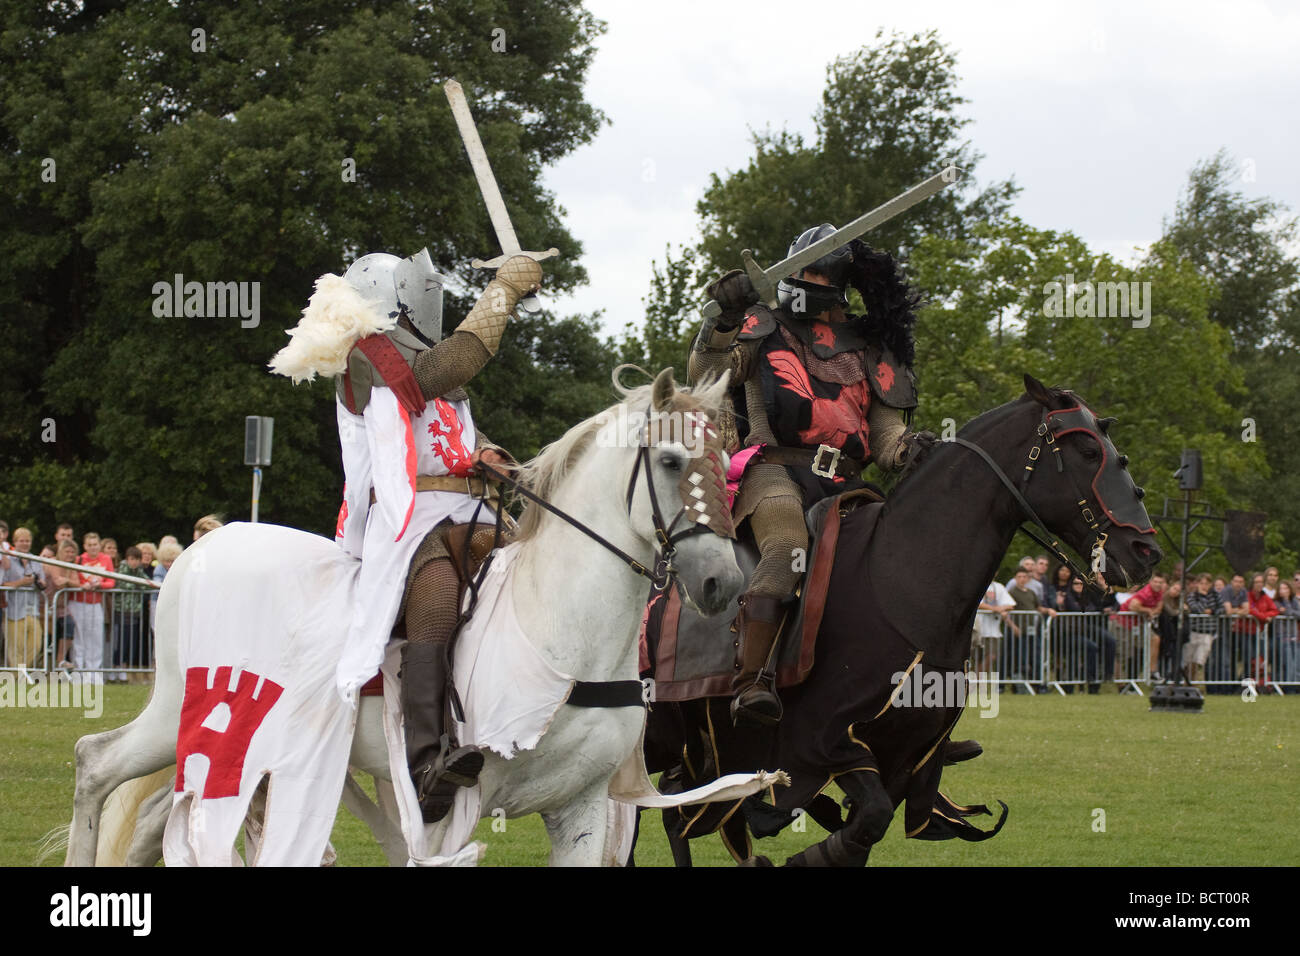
(903,590)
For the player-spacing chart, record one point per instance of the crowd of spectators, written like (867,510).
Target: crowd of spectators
(1231,631)
(95,623)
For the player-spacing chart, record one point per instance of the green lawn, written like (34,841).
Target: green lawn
(1215,789)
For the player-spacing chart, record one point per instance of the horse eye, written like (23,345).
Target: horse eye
(671,462)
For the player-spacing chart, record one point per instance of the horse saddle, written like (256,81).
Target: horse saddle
(691,656)
(468,546)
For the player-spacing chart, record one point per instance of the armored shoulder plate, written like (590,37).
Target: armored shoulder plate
(891,381)
(760,322)
(353,386)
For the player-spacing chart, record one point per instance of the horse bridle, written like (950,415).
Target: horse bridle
(1075,418)
(699,515)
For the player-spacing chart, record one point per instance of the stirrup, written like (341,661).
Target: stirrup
(763,706)
(458,766)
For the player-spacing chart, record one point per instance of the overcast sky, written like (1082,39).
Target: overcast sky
(1098,110)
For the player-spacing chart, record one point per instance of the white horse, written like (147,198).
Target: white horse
(580,605)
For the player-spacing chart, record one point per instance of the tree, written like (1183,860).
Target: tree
(262,145)
(1165,369)
(1241,244)
(1243,247)
(889,118)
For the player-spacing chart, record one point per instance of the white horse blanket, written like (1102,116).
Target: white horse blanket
(264,617)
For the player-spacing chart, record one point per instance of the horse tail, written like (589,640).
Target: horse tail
(121,810)
(53,843)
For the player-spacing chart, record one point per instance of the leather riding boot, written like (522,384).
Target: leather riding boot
(437,764)
(955,751)
(755,700)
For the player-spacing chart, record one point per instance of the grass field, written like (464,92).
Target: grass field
(1221,788)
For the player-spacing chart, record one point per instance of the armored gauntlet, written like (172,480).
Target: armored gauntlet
(517,276)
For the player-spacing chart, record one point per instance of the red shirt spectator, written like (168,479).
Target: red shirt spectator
(93,558)
(1261,605)
(1150,599)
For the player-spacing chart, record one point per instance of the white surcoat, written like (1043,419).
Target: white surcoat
(384,449)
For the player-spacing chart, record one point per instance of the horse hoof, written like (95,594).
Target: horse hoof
(756,861)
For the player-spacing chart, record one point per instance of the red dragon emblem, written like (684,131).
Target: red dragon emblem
(885,376)
(823,335)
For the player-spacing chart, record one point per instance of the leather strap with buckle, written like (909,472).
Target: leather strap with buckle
(472,485)
(824,462)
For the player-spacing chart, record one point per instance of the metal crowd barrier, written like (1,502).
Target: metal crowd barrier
(24,646)
(111,639)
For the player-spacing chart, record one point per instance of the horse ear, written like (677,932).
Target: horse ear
(661,395)
(1039,392)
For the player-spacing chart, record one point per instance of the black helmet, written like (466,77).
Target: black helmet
(835,265)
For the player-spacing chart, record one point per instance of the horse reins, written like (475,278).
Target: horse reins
(1047,539)
(663,572)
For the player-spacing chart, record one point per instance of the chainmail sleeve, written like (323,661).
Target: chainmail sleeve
(886,429)
(711,363)
(449,364)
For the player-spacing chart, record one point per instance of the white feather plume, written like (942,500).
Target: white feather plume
(336,317)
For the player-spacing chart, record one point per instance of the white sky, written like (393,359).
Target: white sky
(1098,110)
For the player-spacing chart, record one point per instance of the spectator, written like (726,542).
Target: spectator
(1057,587)
(1219,585)
(1287,628)
(205,524)
(994,611)
(1235,600)
(1095,633)
(130,648)
(1270,582)
(55,580)
(24,636)
(148,555)
(168,552)
(168,539)
(1263,610)
(47,551)
(1259,604)
(1204,605)
(1025,660)
(1040,574)
(1149,601)
(1028,565)
(64,533)
(88,608)
(1169,628)
(109,547)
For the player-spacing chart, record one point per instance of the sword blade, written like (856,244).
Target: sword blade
(478,160)
(765,280)
(863,224)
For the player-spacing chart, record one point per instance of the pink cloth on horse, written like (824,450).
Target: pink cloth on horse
(739,462)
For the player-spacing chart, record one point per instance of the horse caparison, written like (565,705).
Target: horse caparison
(904,596)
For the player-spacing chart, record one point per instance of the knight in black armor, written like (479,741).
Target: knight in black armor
(818,394)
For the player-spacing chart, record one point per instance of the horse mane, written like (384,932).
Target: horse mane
(982,418)
(544,473)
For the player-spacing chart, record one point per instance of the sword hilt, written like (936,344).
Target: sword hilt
(500,260)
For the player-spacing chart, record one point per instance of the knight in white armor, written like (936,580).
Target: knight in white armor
(410,459)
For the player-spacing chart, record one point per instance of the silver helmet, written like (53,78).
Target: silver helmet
(411,286)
